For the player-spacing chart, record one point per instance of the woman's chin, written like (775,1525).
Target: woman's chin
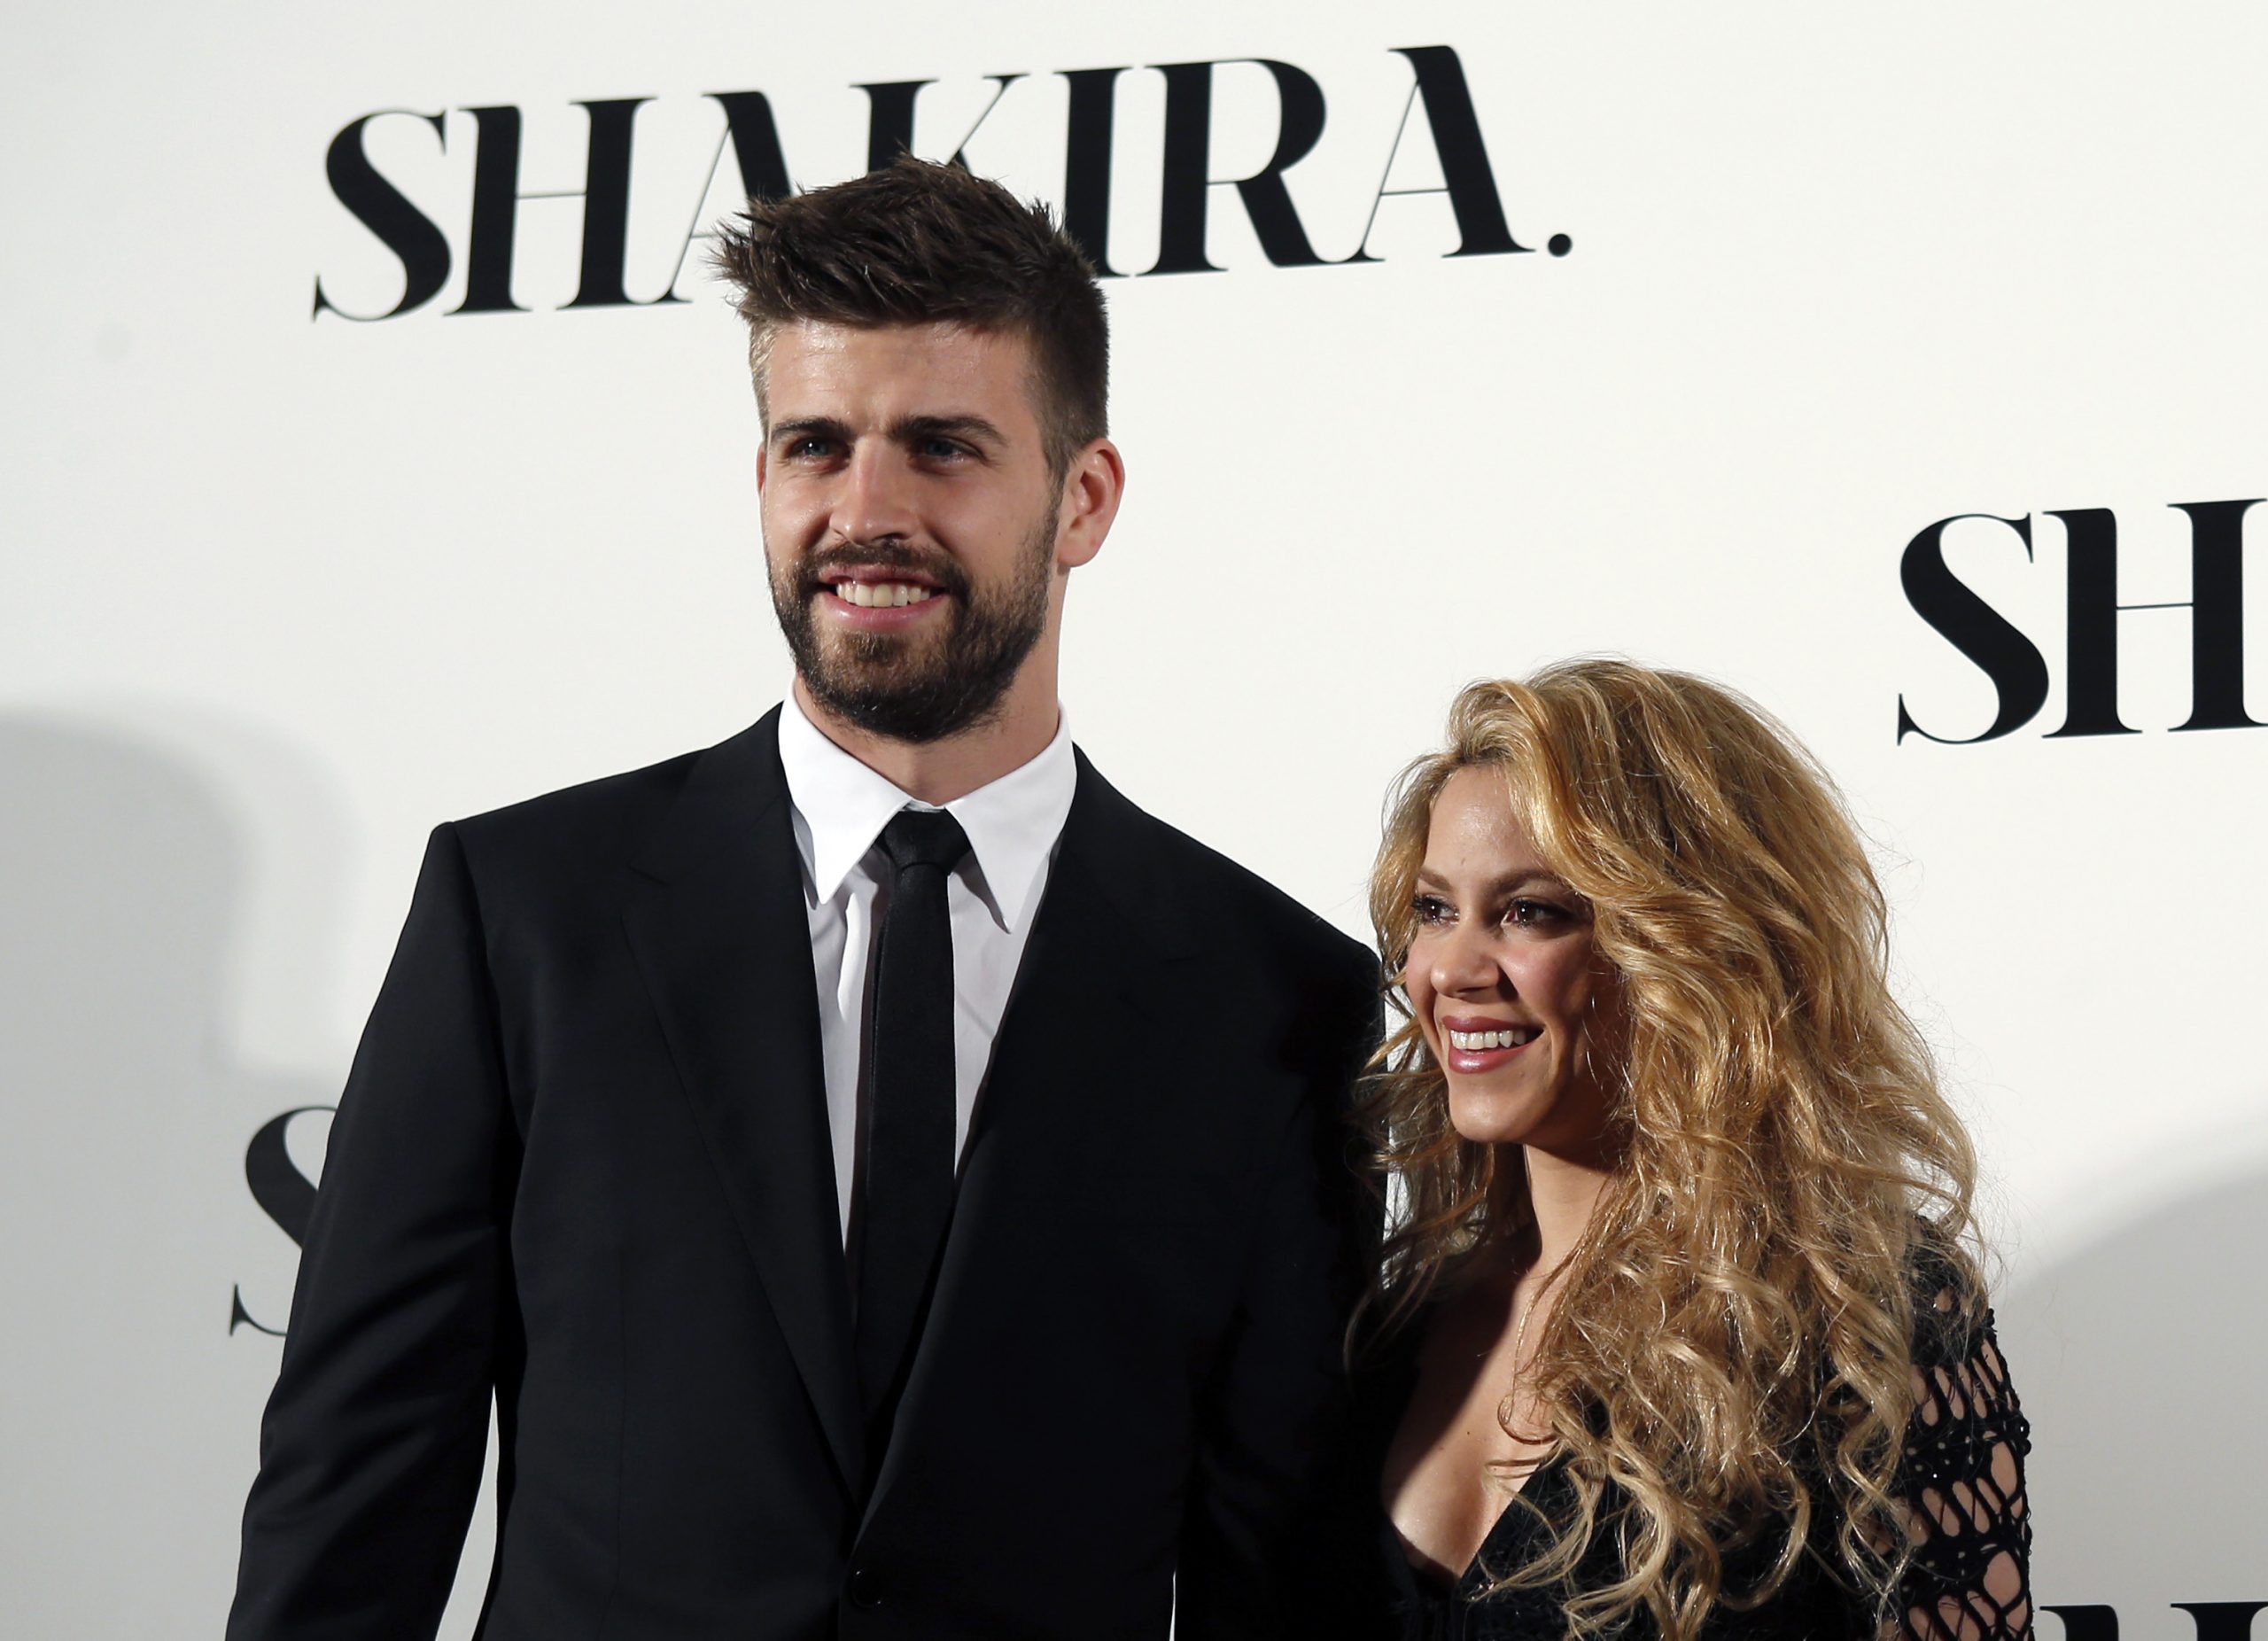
(1491,1117)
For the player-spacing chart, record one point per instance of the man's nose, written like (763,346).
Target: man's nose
(876,497)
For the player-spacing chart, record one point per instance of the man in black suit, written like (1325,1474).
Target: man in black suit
(891,1186)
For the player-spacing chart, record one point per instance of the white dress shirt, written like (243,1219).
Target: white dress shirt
(839,808)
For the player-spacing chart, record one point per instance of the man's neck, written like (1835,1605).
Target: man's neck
(938,772)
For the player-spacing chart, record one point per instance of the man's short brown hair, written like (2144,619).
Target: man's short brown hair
(920,244)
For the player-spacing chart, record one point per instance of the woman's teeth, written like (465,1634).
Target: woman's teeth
(1513,1039)
(881,595)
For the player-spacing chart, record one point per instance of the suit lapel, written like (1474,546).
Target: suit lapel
(719,926)
(1096,969)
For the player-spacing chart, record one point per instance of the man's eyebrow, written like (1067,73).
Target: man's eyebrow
(810,427)
(966,425)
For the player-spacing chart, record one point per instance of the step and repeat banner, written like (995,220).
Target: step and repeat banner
(379,450)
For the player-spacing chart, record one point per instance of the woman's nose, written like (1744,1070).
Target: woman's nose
(1462,962)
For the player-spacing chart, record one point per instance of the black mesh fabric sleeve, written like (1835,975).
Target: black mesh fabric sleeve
(1961,1482)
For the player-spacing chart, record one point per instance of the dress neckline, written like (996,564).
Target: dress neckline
(1429,1578)
(1396,1372)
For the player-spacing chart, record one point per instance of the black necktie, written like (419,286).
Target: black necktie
(910,1162)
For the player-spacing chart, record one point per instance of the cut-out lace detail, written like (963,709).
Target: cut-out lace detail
(1961,1482)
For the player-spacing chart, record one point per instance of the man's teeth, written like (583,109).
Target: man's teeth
(1512,1038)
(881,594)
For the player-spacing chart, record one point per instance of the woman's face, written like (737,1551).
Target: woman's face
(1505,980)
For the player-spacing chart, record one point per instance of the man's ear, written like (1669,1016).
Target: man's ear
(762,465)
(1091,491)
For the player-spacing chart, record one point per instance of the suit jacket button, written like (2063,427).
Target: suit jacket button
(866,1587)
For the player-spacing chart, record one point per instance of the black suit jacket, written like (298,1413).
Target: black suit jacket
(582,1162)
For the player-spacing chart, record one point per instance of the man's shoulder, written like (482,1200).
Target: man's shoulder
(585,803)
(1229,894)
(602,822)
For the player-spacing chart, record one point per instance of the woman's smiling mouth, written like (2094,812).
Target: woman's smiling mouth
(1474,1044)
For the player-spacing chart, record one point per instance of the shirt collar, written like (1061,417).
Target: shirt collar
(841,805)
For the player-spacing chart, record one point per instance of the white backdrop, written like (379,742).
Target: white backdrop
(281,590)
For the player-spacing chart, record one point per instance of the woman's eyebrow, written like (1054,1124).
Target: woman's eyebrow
(1505,885)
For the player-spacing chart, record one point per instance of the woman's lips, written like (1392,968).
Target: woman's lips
(1471,1045)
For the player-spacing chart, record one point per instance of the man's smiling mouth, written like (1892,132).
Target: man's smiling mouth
(881,594)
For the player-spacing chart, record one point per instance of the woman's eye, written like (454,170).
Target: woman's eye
(1530,914)
(1431,910)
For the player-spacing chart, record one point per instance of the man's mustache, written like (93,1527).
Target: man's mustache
(825,566)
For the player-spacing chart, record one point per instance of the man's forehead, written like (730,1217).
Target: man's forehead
(818,359)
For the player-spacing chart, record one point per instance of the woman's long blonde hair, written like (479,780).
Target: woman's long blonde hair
(1732,1347)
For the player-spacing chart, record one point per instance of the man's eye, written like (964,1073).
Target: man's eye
(810,447)
(941,450)
(1431,910)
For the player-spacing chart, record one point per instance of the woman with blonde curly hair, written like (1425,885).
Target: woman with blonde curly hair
(1678,1329)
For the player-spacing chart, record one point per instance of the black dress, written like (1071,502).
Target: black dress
(1969,1419)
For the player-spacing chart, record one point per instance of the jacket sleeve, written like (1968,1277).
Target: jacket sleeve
(1258,1537)
(371,1449)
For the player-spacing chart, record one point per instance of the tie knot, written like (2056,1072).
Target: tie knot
(924,838)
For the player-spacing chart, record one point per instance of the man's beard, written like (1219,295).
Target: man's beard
(916,687)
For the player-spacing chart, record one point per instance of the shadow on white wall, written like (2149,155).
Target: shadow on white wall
(2141,1358)
(134,860)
